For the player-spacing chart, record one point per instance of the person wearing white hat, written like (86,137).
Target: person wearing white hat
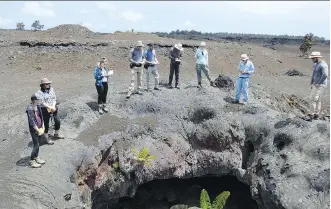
(136,64)
(201,56)
(175,54)
(49,108)
(318,83)
(150,65)
(246,69)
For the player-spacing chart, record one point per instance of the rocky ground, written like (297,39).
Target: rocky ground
(265,144)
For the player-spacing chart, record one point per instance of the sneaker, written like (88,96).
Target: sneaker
(48,141)
(34,164)
(156,89)
(39,161)
(170,87)
(57,136)
(100,111)
(199,86)
(244,103)
(105,109)
(177,87)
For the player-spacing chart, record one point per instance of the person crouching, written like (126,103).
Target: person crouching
(101,74)
(36,128)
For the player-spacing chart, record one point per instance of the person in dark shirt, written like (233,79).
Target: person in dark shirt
(174,55)
(36,128)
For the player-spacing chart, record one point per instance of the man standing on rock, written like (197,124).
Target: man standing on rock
(150,64)
(174,55)
(318,83)
(246,69)
(201,56)
(136,65)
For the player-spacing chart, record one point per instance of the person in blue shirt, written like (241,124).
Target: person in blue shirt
(246,69)
(101,74)
(150,65)
(201,56)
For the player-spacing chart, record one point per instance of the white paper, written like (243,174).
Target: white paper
(110,72)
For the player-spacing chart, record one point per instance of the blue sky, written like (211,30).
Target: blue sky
(283,17)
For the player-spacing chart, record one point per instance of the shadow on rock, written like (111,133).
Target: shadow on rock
(93,105)
(229,100)
(23,162)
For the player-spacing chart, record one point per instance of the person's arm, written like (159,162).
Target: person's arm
(196,54)
(170,54)
(97,75)
(207,57)
(31,116)
(156,61)
(130,55)
(324,76)
(251,69)
(54,96)
(41,116)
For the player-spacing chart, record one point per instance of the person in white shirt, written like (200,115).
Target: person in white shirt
(101,75)
(201,56)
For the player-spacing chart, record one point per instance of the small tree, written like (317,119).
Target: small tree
(20,26)
(307,44)
(36,26)
(132,30)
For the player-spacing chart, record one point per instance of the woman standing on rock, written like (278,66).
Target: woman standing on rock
(36,127)
(49,108)
(101,74)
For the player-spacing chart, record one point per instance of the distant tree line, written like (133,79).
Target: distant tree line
(35,26)
(234,36)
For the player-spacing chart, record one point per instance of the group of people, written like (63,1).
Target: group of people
(44,104)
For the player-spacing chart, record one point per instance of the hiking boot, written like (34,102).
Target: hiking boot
(105,109)
(39,161)
(212,83)
(100,110)
(156,88)
(57,136)
(244,103)
(34,164)
(48,141)
(316,116)
(170,86)
(177,87)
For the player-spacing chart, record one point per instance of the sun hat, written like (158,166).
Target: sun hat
(179,47)
(140,43)
(45,81)
(203,43)
(244,57)
(315,55)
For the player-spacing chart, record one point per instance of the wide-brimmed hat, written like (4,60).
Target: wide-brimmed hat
(244,57)
(203,43)
(315,55)
(179,47)
(140,43)
(45,81)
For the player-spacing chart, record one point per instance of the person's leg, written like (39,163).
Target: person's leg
(100,90)
(206,71)
(177,75)
(131,86)
(245,88)
(312,98)
(148,72)
(57,122)
(198,69)
(156,78)
(140,72)
(238,89)
(105,92)
(319,92)
(46,117)
(35,150)
(171,75)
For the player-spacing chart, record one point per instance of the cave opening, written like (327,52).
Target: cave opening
(164,194)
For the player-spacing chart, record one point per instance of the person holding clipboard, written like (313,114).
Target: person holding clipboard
(150,64)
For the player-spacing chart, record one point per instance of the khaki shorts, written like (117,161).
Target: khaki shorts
(316,93)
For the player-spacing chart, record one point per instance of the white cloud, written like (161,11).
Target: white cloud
(83,11)
(189,23)
(5,21)
(41,9)
(132,16)
(103,5)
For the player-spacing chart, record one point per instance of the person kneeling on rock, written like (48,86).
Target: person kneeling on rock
(49,108)
(101,74)
(36,128)
(151,61)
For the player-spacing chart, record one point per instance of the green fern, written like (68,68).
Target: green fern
(143,156)
(220,200)
(204,200)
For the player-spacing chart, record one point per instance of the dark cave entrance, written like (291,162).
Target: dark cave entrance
(163,194)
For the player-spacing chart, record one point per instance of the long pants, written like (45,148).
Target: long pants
(102,93)
(174,68)
(204,69)
(315,99)
(136,71)
(242,87)
(35,141)
(152,70)
(47,116)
